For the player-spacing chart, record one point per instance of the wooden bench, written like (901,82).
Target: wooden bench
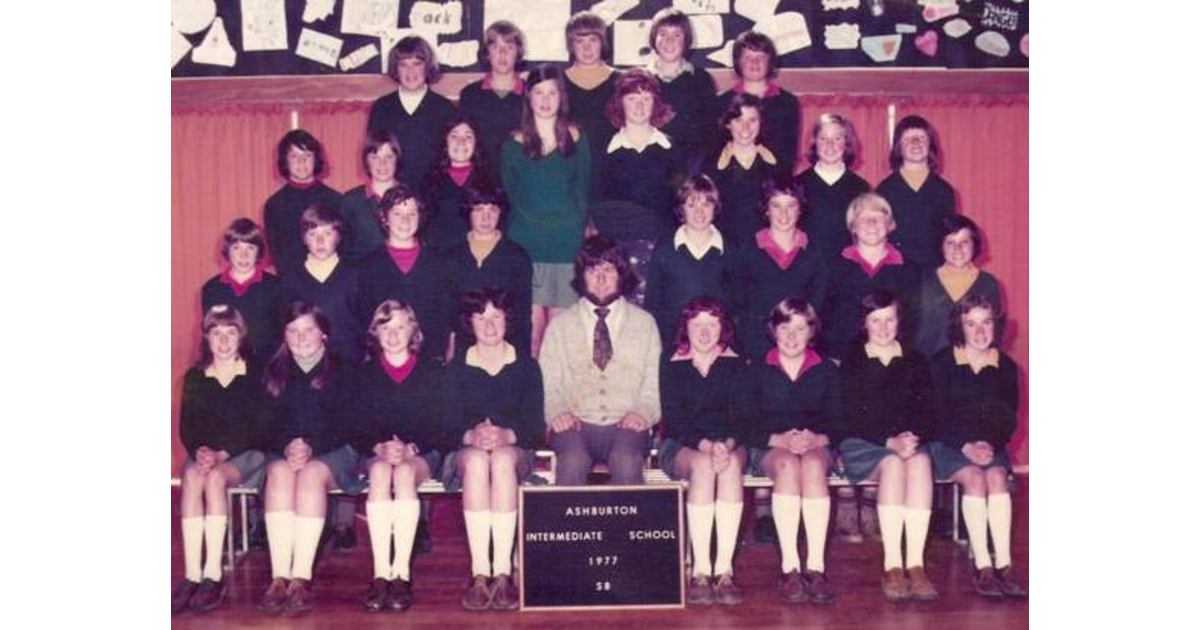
(545,469)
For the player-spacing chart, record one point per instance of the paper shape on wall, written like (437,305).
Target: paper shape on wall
(319,47)
(1024,45)
(839,5)
(264,25)
(933,13)
(937,3)
(631,42)
(724,56)
(458,54)
(906,29)
(702,6)
(756,10)
(358,57)
(927,43)
(436,17)
(317,10)
(610,10)
(999,17)
(788,31)
(957,28)
(708,31)
(993,43)
(542,21)
(215,50)
(369,17)
(841,36)
(881,48)
(179,46)
(192,16)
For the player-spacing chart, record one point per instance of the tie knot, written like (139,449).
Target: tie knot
(602,312)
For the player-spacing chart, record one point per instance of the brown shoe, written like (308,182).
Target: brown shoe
(791,588)
(818,588)
(181,595)
(208,596)
(987,583)
(699,591)
(275,598)
(376,596)
(479,594)
(400,595)
(919,586)
(895,585)
(725,592)
(300,595)
(504,594)
(1009,583)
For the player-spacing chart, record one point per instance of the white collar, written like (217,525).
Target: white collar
(619,141)
(410,101)
(829,174)
(472,358)
(716,241)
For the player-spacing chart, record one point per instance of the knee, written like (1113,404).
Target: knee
(404,475)
(215,483)
(702,467)
(191,479)
(312,477)
(279,472)
(503,462)
(571,456)
(919,466)
(787,467)
(997,480)
(474,461)
(892,467)
(379,474)
(813,466)
(971,478)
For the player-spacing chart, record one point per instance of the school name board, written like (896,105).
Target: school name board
(313,37)
(602,547)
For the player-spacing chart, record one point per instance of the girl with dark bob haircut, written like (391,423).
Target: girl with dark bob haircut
(739,166)
(300,159)
(704,389)
(633,81)
(919,197)
(221,421)
(596,251)
(885,388)
(381,162)
(975,398)
(493,401)
(245,286)
(944,287)
(799,408)
(307,451)
(414,112)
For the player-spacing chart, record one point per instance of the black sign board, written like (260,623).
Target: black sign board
(601,547)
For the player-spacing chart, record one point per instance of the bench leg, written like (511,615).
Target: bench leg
(957,514)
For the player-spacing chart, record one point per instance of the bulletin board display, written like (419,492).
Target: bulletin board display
(212,38)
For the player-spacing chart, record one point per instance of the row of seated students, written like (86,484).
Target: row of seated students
(610,162)
(387,424)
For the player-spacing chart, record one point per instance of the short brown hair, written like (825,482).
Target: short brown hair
(414,47)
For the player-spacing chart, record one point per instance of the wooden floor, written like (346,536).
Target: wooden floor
(440,576)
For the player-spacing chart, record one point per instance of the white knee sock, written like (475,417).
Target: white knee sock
(974,510)
(785,509)
(379,526)
(214,544)
(504,530)
(281,537)
(816,524)
(479,534)
(916,530)
(729,521)
(308,536)
(891,528)
(193,542)
(999,516)
(407,513)
(700,528)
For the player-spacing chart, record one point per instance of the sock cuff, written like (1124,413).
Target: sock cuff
(967,500)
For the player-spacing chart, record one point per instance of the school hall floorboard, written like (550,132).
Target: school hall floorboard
(440,577)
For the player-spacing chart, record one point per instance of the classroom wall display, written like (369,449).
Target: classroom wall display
(314,37)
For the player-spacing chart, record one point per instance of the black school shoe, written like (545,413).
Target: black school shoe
(400,595)
(208,596)
(181,595)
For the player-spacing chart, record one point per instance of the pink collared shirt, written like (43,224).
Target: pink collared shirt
(783,259)
(240,288)
(892,257)
(811,360)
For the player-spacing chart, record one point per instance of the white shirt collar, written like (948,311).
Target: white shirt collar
(472,357)
(829,174)
(411,101)
(716,241)
(619,141)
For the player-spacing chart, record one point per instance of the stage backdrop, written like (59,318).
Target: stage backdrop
(224,132)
